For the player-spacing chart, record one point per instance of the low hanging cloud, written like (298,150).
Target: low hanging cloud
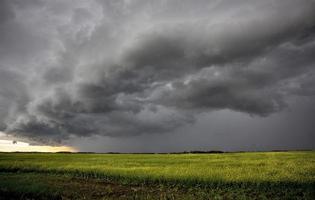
(124,68)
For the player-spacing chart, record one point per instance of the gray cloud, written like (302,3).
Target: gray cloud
(120,68)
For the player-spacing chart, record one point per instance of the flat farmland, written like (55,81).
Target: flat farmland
(250,175)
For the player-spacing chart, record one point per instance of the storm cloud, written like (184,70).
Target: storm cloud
(127,68)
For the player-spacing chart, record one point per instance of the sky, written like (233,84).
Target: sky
(157,75)
(9,144)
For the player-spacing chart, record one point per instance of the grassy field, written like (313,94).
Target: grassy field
(263,175)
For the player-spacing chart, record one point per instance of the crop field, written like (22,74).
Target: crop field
(252,175)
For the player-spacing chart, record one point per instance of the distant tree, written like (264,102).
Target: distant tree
(14,142)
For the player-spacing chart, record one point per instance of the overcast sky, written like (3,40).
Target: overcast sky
(133,76)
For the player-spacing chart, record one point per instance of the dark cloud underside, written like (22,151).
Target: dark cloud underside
(126,68)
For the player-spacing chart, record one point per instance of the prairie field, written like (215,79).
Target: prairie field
(250,175)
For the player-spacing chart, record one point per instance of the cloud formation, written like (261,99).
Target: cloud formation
(124,68)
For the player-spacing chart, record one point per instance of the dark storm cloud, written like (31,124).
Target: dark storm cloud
(124,68)
(6,11)
(256,87)
(13,96)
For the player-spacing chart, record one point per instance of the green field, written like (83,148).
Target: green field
(263,175)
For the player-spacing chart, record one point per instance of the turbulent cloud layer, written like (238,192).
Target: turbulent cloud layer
(123,68)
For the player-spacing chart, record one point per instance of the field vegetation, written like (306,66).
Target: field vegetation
(252,175)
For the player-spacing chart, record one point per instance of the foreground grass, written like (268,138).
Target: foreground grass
(45,186)
(268,175)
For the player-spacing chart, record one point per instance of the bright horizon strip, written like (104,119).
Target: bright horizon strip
(8,146)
